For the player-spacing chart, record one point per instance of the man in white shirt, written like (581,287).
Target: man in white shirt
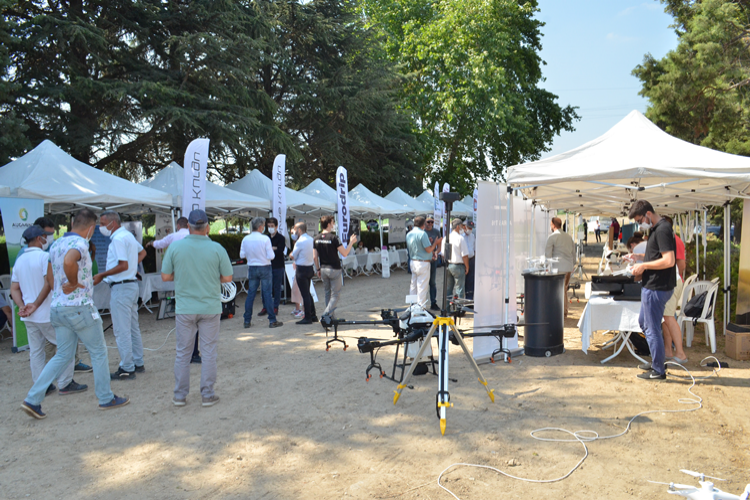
(560,246)
(257,249)
(31,292)
(123,256)
(458,260)
(471,243)
(182,230)
(303,256)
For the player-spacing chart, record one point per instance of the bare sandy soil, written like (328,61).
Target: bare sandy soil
(296,421)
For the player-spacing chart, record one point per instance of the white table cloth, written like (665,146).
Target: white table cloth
(605,313)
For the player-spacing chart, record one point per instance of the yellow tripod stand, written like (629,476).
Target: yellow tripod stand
(446,327)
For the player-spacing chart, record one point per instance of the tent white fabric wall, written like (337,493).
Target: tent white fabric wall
(257,184)
(219,199)
(49,173)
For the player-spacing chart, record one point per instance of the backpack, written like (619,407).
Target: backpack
(694,307)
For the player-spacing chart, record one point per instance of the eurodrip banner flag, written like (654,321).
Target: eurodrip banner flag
(342,200)
(438,211)
(446,222)
(18,214)
(476,196)
(194,187)
(278,202)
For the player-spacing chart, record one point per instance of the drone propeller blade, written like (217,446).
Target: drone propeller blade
(699,475)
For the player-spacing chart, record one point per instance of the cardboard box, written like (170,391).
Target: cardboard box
(738,345)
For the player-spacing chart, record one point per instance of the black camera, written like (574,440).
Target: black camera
(449,197)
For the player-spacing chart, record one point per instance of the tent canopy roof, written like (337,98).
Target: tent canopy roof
(49,173)
(377,204)
(257,184)
(400,197)
(218,198)
(459,207)
(320,189)
(635,159)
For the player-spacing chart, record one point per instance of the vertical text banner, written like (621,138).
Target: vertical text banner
(278,203)
(194,186)
(446,222)
(342,200)
(437,211)
(476,196)
(18,214)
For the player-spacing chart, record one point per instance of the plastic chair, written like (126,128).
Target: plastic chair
(5,281)
(688,281)
(707,315)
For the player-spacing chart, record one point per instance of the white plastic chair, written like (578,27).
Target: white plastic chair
(688,281)
(5,281)
(707,315)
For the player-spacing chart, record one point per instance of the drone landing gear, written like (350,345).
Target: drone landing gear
(336,337)
(373,364)
(501,351)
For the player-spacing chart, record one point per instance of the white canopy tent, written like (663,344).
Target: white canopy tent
(459,207)
(378,205)
(635,159)
(219,200)
(257,184)
(427,200)
(400,197)
(64,183)
(4,191)
(320,189)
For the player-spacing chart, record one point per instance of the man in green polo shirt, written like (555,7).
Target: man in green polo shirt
(198,267)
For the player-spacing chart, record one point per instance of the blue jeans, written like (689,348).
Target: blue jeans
(652,312)
(278,285)
(71,324)
(123,305)
(259,276)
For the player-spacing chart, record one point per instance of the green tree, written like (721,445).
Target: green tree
(473,82)
(12,139)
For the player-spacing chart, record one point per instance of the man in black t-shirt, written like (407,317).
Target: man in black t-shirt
(326,249)
(278,244)
(658,277)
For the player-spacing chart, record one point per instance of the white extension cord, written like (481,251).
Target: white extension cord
(585,436)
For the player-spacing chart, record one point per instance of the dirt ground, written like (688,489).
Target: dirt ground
(297,422)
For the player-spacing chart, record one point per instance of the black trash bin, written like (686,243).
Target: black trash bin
(544,314)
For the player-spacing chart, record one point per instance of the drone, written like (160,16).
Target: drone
(706,491)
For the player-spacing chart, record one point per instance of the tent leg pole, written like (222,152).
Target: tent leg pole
(727,265)
(174,228)
(697,246)
(531,237)
(705,239)
(509,194)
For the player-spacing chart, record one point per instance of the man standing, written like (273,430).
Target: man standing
(182,231)
(30,291)
(326,250)
(658,277)
(123,257)
(421,250)
(471,243)
(278,245)
(198,267)
(615,231)
(74,316)
(598,231)
(303,256)
(585,232)
(256,248)
(458,262)
(560,246)
(433,234)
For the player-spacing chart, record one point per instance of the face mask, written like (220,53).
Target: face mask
(88,238)
(294,236)
(271,231)
(462,232)
(105,231)
(644,226)
(46,244)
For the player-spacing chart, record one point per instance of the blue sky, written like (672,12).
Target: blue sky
(591,47)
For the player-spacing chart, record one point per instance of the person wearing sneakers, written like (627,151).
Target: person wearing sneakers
(198,267)
(123,256)
(303,255)
(326,250)
(278,245)
(257,249)
(658,277)
(30,291)
(74,316)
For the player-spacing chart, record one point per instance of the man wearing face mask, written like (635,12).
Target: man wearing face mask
(471,243)
(326,250)
(74,316)
(303,256)
(560,246)
(278,245)
(123,256)
(30,291)
(659,278)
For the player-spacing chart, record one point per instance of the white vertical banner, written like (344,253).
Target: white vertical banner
(342,202)
(446,222)
(278,202)
(194,185)
(396,230)
(163,227)
(476,196)
(492,273)
(437,210)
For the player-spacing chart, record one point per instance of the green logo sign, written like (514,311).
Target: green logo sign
(23,214)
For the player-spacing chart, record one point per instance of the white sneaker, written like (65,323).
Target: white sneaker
(299,314)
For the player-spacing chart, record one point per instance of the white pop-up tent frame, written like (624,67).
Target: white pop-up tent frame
(634,160)
(257,184)
(320,189)
(378,205)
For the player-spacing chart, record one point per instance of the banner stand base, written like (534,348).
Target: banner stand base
(16,350)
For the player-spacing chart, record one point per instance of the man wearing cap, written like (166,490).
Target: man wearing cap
(471,243)
(123,257)
(458,261)
(74,316)
(421,249)
(30,291)
(433,234)
(198,267)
